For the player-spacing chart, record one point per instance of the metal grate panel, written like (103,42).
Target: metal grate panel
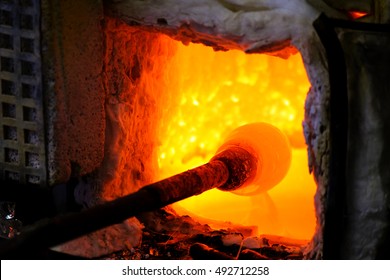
(22,140)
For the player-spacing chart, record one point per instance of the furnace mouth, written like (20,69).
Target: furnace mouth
(213,93)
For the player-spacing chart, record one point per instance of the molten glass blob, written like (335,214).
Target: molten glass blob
(209,94)
(273,152)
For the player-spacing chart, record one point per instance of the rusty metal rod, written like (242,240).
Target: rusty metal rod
(228,170)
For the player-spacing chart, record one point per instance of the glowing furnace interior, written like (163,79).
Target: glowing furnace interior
(211,93)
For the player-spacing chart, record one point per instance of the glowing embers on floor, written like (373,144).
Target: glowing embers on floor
(216,92)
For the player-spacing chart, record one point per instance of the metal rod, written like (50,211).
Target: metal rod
(228,170)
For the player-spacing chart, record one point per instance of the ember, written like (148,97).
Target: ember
(357,14)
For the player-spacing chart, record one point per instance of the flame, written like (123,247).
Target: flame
(211,93)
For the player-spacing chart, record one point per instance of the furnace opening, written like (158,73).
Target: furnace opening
(170,106)
(215,92)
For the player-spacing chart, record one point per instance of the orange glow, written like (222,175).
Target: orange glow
(211,93)
(357,14)
(272,150)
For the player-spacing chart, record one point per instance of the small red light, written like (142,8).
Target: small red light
(357,14)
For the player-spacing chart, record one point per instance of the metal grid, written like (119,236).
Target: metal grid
(22,145)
